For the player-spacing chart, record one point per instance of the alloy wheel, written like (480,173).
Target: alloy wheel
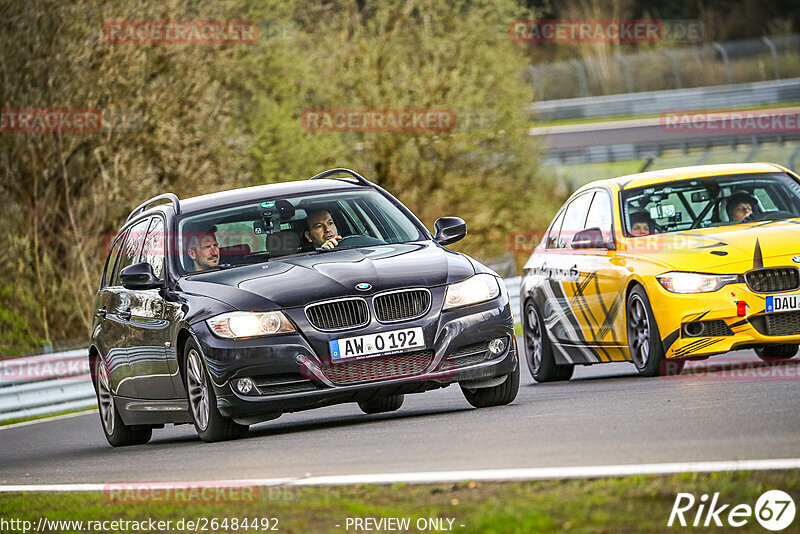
(533,338)
(638,331)
(105,400)
(198,389)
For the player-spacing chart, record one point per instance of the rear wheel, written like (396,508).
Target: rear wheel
(539,351)
(494,396)
(117,433)
(208,421)
(644,340)
(776,352)
(389,403)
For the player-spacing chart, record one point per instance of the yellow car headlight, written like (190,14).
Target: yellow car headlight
(681,282)
(479,288)
(237,325)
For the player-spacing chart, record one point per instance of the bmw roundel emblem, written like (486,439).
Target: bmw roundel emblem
(363,286)
(796,259)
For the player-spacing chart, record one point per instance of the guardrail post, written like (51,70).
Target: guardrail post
(725,63)
(676,71)
(583,81)
(774,53)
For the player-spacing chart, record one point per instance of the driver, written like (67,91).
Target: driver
(204,249)
(321,231)
(740,207)
(641,223)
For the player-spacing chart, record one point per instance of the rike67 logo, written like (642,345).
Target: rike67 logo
(774,510)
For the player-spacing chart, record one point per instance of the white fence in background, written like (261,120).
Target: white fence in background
(60,382)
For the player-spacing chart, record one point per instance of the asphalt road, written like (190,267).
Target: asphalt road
(606,415)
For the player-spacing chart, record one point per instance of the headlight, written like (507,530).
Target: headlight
(695,282)
(235,325)
(479,288)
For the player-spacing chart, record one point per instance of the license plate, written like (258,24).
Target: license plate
(380,344)
(782,303)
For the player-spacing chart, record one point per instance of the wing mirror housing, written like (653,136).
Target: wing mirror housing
(449,230)
(139,276)
(591,238)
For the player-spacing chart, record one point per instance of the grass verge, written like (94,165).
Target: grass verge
(627,504)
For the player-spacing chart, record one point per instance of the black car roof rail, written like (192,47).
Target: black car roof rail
(173,198)
(353,174)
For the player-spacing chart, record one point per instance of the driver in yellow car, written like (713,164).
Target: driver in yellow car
(321,230)
(641,223)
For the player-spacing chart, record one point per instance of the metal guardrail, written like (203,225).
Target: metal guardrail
(43,385)
(648,138)
(60,382)
(654,102)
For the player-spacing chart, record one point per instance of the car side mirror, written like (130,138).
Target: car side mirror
(139,276)
(449,230)
(589,238)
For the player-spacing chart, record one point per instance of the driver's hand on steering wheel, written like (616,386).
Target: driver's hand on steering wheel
(332,242)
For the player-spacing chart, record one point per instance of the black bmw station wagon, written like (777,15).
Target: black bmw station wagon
(229,309)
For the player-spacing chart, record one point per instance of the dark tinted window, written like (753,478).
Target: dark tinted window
(153,251)
(131,247)
(112,259)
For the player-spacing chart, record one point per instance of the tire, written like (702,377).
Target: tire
(770,353)
(208,421)
(494,396)
(539,350)
(117,433)
(644,340)
(389,403)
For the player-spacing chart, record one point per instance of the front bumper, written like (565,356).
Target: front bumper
(724,328)
(290,375)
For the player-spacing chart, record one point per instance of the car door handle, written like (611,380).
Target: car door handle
(125,314)
(101,313)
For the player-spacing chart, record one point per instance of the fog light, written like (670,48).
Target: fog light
(244,385)
(497,346)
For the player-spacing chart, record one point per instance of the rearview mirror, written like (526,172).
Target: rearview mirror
(449,230)
(139,276)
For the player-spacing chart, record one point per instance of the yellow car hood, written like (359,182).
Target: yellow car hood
(726,249)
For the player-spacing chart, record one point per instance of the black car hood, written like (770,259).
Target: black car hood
(298,280)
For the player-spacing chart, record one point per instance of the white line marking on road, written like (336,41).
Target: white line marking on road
(47,419)
(433,477)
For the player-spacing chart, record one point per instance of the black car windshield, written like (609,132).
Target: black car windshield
(273,227)
(709,202)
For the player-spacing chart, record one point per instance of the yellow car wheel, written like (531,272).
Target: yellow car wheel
(644,340)
(539,350)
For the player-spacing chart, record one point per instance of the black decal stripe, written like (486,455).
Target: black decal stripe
(739,323)
(586,311)
(696,348)
(670,340)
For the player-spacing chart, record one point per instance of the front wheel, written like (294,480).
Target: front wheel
(644,340)
(770,353)
(494,396)
(539,350)
(117,433)
(208,421)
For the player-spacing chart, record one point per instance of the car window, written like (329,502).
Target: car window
(153,250)
(131,248)
(272,227)
(112,260)
(555,229)
(600,214)
(711,201)
(574,219)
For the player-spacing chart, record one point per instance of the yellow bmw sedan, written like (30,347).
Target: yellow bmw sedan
(660,267)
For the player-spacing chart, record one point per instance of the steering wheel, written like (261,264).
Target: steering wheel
(771,216)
